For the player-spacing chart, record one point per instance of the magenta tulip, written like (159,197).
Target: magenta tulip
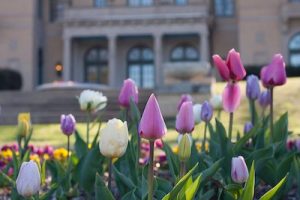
(128,91)
(152,125)
(274,74)
(231,97)
(185,118)
(231,69)
(184,98)
(239,170)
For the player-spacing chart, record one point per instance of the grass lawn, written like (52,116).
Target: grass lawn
(286,100)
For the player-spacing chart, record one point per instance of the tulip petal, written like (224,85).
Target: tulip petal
(231,97)
(236,68)
(222,67)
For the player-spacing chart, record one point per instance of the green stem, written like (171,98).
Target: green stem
(150,171)
(68,146)
(109,173)
(182,169)
(204,139)
(219,113)
(88,128)
(252,109)
(230,125)
(271,115)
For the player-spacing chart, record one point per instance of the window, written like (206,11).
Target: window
(135,3)
(141,67)
(57,8)
(294,51)
(184,53)
(100,3)
(96,65)
(224,8)
(180,2)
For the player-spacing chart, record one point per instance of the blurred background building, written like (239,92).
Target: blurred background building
(155,42)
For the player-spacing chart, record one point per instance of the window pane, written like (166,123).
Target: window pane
(177,53)
(295,43)
(134,2)
(134,54)
(100,3)
(135,74)
(103,73)
(103,55)
(191,53)
(146,2)
(295,60)
(92,55)
(181,2)
(148,76)
(92,74)
(147,54)
(224,7)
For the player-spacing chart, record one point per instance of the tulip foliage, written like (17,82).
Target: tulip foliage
(118,162)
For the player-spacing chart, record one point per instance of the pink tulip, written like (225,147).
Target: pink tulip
(129,90)
(274,74)
(239,170)
(184,98)
(232,68)
(152,125)
(185,119)
(231,97)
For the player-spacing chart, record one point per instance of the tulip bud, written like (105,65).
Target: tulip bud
(185,119)
(184,151)
(231,97)
(206,112)
(92,101)
(265,99)
(24,124)
(152,125)
(216,102)
(274,74)
(197,113)
(114,138)
(248,127)
(252,87)
(128,91)
(67,124)
(239,170)
(232,68)
(29,180)
(184,98)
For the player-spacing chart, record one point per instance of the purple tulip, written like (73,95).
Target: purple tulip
(252,87)
(184,98)
(67,124)
(232,68)
(231,97)
(128,91)
(206,112)
(152,125)
(185,119)
(248,127)
(265,99)
(274,74)
(239,170)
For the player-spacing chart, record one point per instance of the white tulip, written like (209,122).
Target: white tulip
(216,102)
(114,138)
(29,179)
(90,100)
(197,113)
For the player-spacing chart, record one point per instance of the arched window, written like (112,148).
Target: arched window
(184,53)
(294,50)
(140,66)
(96,65)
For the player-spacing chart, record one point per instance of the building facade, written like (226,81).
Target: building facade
(162,44)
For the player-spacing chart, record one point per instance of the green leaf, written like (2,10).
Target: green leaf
(173,194)
(248,192)
(273,191)
(191,191)
(124,179)
(172,159)
(80,145)
(281,129)
(129,196)
(49,193)
(102,192)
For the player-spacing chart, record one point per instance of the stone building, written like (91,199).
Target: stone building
(159,43)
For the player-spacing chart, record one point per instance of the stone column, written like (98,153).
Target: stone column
(204,47)
(112,47)
(67,59)
(159,71)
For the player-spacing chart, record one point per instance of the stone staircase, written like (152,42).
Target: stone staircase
(46,106)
